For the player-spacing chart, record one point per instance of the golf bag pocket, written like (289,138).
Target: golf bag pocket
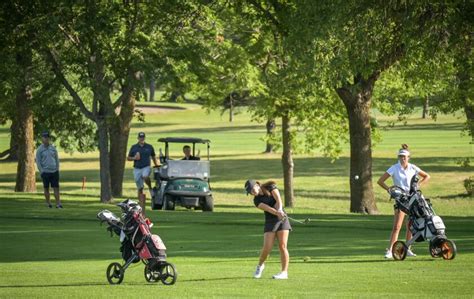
(436,225)
(418,225)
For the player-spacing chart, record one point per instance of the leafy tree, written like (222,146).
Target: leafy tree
(347,45)
(31,98)
(106,45)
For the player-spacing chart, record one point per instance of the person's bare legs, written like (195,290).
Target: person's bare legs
(268,240)
(56,196)
(397,225)
(142,200)
(282,236)
(47,196)
(147,181)
(408,235)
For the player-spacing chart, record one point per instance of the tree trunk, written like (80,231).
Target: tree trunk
(426,106)
(469,110)
(271,125)
(105,186)
(231,107)
(25,175)
(358,110)
(13,141)
(152,89)
(464,76)
(119,133)
(287,161)
(174,96)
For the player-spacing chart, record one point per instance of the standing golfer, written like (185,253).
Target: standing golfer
(401,173)
(267,198)
(140,154)
(47,161)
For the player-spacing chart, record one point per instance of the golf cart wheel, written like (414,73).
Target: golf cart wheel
(151,275)
(168,203)
(115,273)
(448,250)
(208,204)
(168,273)
(399,251)
(155,206)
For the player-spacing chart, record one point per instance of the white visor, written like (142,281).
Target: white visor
(403,152)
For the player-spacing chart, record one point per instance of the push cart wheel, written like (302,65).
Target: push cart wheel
(115,273)
(435,248)
(399,251)
(151,275)
(448,250)
(168,273)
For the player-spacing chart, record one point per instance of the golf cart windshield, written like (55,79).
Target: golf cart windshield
(186,169)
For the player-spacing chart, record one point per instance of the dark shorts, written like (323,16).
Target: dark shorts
(269,225)
(50,179)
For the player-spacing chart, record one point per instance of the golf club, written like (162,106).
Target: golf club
(306,221)
(275,227)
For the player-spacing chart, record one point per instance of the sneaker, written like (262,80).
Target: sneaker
(281,275)
(259,271)
(59,206)
(388,254)
(49,205)
(410,253)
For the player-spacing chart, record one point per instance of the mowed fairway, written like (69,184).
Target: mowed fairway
(64,253)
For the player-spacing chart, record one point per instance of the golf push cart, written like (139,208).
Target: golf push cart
(182,182)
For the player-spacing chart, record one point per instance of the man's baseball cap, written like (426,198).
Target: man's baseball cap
(45,134)
(141,135)
(249,184)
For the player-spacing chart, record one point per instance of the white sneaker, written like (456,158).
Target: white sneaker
(281,275)
(259,271)
(410,253)
(388,254)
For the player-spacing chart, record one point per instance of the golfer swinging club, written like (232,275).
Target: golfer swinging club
(267,198)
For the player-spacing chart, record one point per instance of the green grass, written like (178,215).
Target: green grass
(64,253)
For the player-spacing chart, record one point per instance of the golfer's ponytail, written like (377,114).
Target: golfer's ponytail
(267,187)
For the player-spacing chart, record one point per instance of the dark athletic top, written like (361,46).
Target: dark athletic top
(146,151)
(268,200)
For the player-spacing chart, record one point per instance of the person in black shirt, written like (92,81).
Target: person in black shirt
(140,153)
(267,198)
(187,154)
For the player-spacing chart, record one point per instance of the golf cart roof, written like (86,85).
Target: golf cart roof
(184,140)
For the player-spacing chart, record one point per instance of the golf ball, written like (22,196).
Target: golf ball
(356,177)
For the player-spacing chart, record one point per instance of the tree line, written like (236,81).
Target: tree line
(315,67)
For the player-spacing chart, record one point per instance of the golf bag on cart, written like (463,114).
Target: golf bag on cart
(424,224)
(137,244)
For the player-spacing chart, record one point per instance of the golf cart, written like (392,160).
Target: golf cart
(182,182)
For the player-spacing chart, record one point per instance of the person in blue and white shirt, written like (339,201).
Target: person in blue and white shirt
(141,153)
(401,173)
